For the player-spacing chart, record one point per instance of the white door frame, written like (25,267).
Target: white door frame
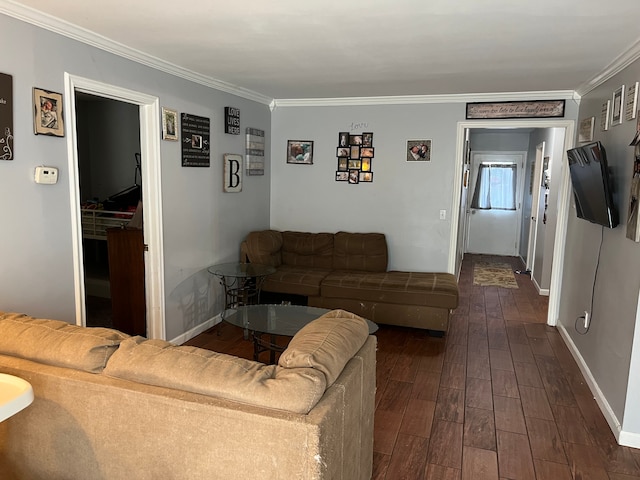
(563,199)
(535,201)
(151,186)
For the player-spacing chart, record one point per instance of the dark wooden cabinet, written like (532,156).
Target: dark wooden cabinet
(126,275)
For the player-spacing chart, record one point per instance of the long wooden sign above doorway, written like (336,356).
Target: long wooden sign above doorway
(526,109)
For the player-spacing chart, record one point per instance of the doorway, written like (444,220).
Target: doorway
(562,184)
(495,203)
(109,173)
(148,115)
(536,175)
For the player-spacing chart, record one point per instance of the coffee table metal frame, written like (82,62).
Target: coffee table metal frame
(242,282)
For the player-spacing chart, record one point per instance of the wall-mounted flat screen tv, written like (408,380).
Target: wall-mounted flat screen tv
(592,185)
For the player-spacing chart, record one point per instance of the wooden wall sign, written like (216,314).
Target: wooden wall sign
(6,117)
(196,146)
(232,120)
(232,172)
(528,109)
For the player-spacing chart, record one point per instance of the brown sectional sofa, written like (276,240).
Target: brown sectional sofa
(109,406)
(349,271)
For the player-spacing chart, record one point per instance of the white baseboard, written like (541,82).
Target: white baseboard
(599,397)
(197,330)
(541,291)
(629,439)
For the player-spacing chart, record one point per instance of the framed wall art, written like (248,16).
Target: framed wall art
(195,134)
(605,115)
(47,113)
(631,103)
(616,106)
(585,134)
(232,173)
(300,151)
(6,117)
(169,124)
(418,150)
(355,154)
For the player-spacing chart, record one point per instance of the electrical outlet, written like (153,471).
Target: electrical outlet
(586,319)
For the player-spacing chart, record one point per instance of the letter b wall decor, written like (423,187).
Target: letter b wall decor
(232,172)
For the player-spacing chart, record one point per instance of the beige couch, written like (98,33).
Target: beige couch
(349,271)
(109,406)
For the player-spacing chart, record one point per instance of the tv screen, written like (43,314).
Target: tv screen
(591,184)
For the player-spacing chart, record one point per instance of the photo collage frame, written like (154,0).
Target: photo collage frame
(355,154)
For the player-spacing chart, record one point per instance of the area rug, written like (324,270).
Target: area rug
(494,275)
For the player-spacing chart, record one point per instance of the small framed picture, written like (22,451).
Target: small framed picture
(300,151)
(418,150)
(342,176)
(47,113)
(343,139)
(355,151)
(367,139)
(355,139)
(585,134)
(616,108)
(342,152)
(355,164)
(342,164)
(366,165)
(169,124)
(354,176)
(366,152)
(366,177)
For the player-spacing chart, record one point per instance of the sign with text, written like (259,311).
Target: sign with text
(196,144)
(528,109)
(232,120)
(255,151)
(6,117)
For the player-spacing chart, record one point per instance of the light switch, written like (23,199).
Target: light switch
(443,214)
(46,175)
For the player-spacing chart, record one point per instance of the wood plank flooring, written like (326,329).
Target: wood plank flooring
(499,397)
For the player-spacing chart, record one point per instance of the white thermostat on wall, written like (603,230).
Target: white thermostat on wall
(46,175)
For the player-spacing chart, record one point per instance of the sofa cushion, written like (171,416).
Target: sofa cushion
(160,363)
(303,249)
(326,344)
(412,288)
(295,280)
(264,247)
(58,343)
(360,251)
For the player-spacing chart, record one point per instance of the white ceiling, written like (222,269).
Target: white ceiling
(287,49)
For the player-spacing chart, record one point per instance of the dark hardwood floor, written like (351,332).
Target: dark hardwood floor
(499,397)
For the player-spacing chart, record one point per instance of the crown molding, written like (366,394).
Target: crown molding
(621,62)
(56,25)
(420,99)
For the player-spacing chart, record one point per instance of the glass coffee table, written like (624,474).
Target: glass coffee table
(266,322)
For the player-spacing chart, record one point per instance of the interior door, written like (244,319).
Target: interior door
(535,200)
(495,230)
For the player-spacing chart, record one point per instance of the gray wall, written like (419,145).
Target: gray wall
(607,347)
(202,225)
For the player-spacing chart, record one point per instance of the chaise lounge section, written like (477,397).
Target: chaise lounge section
(349,271)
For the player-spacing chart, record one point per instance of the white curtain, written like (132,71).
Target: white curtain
(495,187)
